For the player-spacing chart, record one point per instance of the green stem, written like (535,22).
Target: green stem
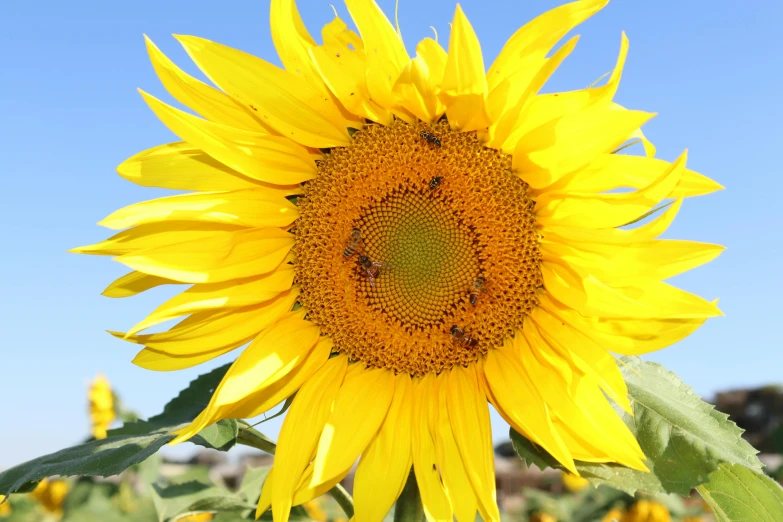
(408,507)
(248,436)
(343,498)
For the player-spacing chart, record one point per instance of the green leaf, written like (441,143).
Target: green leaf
(176,499)
(252,482)
(221,436)
(130,444)
(684,438)
(738,494)
(90,501)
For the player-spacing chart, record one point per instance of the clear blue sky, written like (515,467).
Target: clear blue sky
(69,113)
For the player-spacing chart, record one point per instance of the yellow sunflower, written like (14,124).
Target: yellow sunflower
(101,402)
(402,242)
(51,495)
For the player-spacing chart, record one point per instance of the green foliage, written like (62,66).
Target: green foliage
(130,444)
(176,499)
(739,494)
(90,501)
(684,438)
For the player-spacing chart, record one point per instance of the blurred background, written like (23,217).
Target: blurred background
(70,113)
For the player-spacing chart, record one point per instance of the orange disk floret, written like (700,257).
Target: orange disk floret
(434,215)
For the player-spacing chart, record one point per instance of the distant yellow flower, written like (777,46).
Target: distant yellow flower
(613,515)
(101,406)
(196,517)
(540,516)
(401,240)
(693,519)
(5,507)
(314,510)
(574,483)
(51,495)
(647,511)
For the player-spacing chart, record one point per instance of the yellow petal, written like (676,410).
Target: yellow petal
(582,353)
(232,255)
(134,283)
(650,299)
(270,357)
(464,86)
(595,424)
(535,39)
(425,459)
(181,166)
(384,51)
(155,235)
(658,259)
(547,109)
(615,236)
(336,33)
(562,146)
(607,210)
(625,336)
(417,86)
(514,394)
(301,429)
(341,64)
(266,399)
(227,295)
(272,159)
(284,101)
(649,148)
(514,96)
(292,41)
(385,464)
(206,335)
(469,416)
(613,171)
(209,102)
(452,470)
(251,208)
(359,410)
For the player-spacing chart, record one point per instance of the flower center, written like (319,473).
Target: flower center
(416,248)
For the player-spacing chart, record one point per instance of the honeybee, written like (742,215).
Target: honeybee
(434,182)
(478,286)
(353,243)
(461,338)
(372,268)
(430,138)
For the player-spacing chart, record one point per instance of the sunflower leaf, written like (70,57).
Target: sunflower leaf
(684,438)
(736,493)
(132,443)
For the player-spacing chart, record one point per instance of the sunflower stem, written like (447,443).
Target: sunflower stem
(248,436)
(408,507)
(343,498)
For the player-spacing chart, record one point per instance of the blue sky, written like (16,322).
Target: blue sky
(69,114)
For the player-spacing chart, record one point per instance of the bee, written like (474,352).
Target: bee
(461,338)
(430,138)
(372,268)
(434,182)
(353,243)
(478,286)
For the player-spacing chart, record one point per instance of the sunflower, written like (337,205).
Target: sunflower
(101,403)
(402,242)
